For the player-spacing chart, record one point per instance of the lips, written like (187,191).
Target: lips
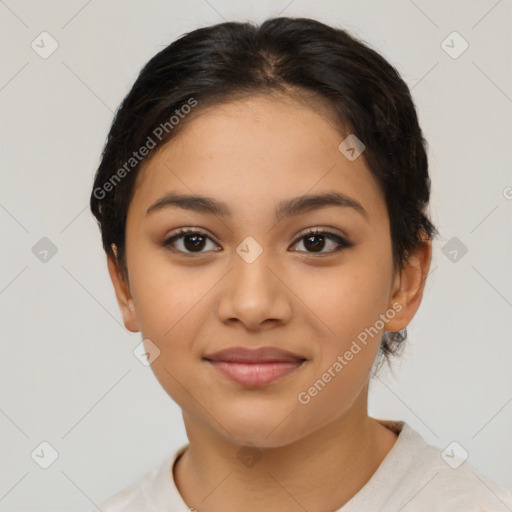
(255,355)
(255,367)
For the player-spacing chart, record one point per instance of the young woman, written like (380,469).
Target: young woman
(262,200)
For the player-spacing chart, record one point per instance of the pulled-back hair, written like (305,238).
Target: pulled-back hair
(299,57)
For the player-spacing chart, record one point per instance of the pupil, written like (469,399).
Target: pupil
(318,246)
(198,242)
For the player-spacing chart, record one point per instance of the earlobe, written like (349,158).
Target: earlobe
(123,293)
(409,286)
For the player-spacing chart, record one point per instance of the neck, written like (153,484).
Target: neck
(321,471)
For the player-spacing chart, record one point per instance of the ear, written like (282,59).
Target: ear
(408,287)
(123,293)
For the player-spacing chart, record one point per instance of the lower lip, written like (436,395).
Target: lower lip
(255,374)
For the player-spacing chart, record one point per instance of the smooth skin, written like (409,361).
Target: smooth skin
(251,154)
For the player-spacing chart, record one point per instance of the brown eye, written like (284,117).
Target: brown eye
(316,241)
(188,241)
(194,242)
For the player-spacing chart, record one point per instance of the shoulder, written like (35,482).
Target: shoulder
(130,498)
(445,481)
(457,487)
(153,490)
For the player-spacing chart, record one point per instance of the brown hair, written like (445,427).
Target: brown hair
(218,63)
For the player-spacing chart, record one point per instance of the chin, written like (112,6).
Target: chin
(264,428)
(261,439)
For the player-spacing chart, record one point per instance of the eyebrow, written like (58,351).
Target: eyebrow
(285,208)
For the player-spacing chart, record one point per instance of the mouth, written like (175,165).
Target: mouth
(255,367)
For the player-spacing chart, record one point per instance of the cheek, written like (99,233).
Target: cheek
(171,307)
(166,296)
(332,393)
(347,299)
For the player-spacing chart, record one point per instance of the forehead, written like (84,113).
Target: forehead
(257,149)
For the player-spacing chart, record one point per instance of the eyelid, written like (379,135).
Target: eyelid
(332,234)
(181,233)
(321,230)
(190,230)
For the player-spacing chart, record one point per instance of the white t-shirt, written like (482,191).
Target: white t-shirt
(413,477)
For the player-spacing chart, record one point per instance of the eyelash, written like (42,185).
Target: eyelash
(342,242)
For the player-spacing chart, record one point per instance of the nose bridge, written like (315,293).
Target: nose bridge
(253,293)
(252,276)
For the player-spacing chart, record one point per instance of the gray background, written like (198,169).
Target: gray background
(68,373)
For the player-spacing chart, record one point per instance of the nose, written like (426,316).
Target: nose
(255,295)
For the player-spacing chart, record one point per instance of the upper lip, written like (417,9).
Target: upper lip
(255,355)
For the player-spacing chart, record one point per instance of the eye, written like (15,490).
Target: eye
(188,241)
(316,240)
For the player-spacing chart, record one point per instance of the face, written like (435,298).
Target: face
(250,273)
